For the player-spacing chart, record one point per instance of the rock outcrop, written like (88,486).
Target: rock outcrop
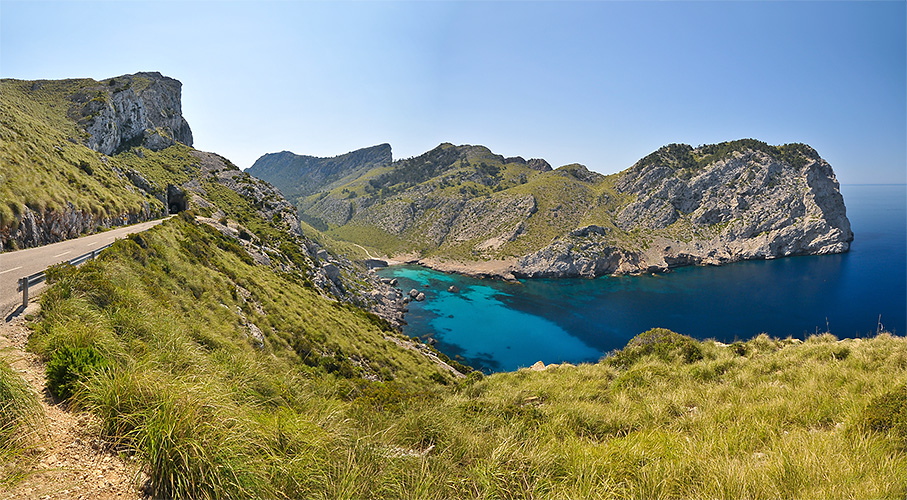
(51,226)
(751,201)
(334,274)
(143,109)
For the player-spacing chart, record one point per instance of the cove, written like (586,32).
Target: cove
(498,326)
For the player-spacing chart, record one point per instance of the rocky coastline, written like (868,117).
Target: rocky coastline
(681,206)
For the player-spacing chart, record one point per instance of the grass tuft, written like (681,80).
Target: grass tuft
(21,419)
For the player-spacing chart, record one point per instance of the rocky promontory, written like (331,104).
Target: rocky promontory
(143,109)
(749,202)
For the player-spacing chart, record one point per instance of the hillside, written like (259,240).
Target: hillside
(163,352)
(296,175)
(680,205)
(78,156)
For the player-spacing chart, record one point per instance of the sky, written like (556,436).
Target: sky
(602,83)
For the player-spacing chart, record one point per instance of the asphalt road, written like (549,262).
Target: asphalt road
(21,263)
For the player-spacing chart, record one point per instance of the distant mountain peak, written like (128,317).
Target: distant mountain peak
(299,175)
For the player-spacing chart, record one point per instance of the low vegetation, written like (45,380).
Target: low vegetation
(21,419)
(323,407)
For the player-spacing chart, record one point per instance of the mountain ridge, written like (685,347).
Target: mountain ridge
(208,353)
(680,205)
(299,175)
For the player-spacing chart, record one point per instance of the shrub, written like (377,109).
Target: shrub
(86,167)
(888,412)
(70,365)
(437,377)
(387,397)
(660,343)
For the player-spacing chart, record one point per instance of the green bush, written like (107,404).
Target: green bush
(888,412)
(389,397)
(660,343)
(70,365)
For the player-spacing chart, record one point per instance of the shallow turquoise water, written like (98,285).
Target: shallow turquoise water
(478,325)
(497,326)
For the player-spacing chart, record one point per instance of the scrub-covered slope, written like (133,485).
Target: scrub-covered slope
(296,175)
(680,205)
(77,156)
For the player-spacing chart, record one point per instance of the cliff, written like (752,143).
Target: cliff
(143,109)
(79,155)
(709,205)
(73,154)
(680,205)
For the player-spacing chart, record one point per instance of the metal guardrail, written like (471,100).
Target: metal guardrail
(39,277)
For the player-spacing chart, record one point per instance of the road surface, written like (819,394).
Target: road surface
(21,263)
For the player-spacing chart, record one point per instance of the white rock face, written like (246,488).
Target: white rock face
(750,205)
(131,110)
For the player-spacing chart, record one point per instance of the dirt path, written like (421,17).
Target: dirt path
(70,462)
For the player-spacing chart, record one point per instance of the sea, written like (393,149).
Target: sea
(499,326)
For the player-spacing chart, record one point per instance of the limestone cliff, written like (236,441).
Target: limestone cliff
(709,205)
(143,109)
(58,178)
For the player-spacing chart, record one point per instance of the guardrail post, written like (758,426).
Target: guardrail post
(23,284)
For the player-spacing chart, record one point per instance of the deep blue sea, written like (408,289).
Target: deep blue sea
(497,326)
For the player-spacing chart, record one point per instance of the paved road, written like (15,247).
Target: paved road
(21,263)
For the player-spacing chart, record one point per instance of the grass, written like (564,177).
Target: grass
(21,419)
(185,388)
(210,415)
(156,339)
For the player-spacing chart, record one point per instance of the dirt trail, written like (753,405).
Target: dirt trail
(69,462)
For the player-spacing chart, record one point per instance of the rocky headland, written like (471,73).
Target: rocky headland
(465,209)
(753,202)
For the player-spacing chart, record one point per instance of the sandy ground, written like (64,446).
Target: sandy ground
(498,269)
(69,461)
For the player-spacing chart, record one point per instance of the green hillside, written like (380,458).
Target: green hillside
(179,381)
(296,175)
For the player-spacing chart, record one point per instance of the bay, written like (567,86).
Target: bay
(498,326)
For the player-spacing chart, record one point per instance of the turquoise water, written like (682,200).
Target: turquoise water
(497,326)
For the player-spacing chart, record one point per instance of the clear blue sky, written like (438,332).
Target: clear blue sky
(599,83)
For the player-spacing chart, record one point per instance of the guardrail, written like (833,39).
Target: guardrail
(34,279)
